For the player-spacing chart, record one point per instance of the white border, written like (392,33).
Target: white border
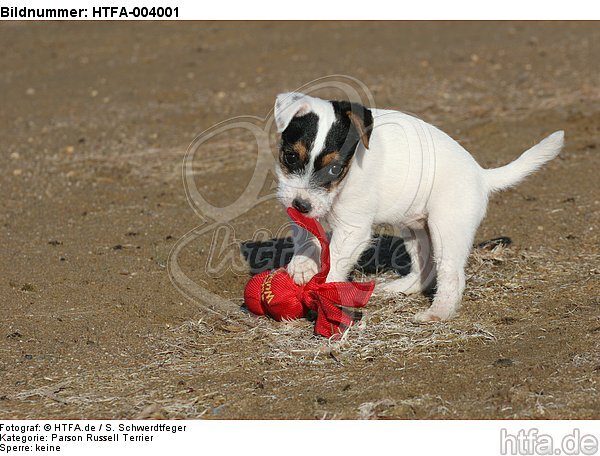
(350,9)
(306,438)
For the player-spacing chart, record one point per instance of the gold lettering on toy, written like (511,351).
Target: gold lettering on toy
(267,293)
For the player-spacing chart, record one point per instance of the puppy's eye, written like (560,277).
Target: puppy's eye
(290,158)
(335,170)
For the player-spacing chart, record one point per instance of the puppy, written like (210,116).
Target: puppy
(355,167)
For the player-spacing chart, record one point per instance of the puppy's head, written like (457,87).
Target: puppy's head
(318,141)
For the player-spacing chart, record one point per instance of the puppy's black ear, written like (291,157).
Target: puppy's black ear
(362,120)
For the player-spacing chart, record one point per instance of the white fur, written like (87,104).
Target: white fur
(413,175)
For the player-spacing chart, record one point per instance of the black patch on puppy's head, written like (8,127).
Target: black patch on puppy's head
(296,142)
(353,124)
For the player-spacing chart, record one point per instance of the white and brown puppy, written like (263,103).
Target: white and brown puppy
(355,167)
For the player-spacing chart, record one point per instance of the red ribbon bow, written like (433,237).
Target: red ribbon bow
(274,293)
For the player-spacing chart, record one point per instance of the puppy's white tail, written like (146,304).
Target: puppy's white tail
(530,161)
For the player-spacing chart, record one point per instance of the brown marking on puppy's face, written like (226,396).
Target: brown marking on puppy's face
(324,160)
(300,148)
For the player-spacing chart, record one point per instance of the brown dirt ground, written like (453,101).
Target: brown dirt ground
(94,121)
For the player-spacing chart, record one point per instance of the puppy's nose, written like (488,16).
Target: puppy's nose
(301,205)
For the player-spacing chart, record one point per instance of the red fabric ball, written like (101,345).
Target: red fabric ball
(274,293)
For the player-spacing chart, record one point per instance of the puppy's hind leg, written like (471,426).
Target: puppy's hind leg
(452,237)
(418,246)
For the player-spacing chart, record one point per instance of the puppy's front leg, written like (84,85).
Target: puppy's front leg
(348,241)
(306,260)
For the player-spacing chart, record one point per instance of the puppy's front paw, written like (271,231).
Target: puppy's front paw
(301,269)
(432,314)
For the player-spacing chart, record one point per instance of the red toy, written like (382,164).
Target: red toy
(274,293)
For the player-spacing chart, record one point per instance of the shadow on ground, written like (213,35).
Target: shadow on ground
(387,253)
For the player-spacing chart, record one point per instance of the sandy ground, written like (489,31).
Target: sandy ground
(95,119)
